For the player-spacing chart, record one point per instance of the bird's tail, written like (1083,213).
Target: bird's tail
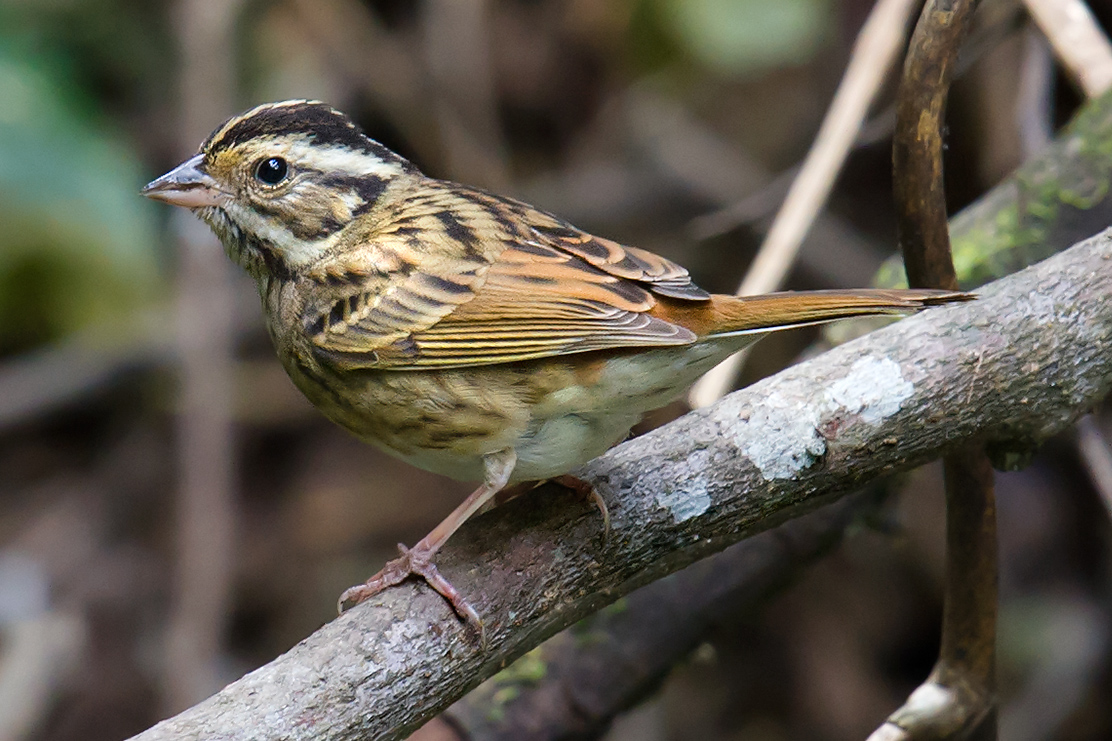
(733,315)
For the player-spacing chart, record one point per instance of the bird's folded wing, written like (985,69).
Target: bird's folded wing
(554,294)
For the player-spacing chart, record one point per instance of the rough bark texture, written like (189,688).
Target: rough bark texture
(572,686)
(1014,368)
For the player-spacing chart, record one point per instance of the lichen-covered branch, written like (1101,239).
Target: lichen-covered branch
(1014,367)
(1058,197)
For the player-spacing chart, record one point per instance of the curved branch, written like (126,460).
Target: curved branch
(1015,367)
(962,687)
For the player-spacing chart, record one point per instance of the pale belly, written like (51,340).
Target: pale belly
(556,415)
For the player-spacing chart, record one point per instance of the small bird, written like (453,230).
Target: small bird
(466,333)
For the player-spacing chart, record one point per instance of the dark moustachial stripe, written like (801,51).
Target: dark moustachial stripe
(327,226)
(303,226)
(307,226)
(315,226)
(275,264)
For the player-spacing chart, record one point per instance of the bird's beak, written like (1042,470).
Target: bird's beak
(186,185)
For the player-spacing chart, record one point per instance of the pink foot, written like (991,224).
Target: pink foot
(412,562)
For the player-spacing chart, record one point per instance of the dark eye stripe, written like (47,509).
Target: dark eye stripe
(368,187)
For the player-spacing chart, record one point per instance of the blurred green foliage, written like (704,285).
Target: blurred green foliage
(77,244)
(744,37)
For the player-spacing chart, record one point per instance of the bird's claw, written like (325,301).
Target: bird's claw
(587,490)
(411,562)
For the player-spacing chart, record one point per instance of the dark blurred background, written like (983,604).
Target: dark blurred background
(173,514)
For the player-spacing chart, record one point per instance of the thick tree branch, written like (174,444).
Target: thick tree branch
(574,684)
(1015,367)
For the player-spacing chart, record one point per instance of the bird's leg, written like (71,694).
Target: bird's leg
(586,490)
(510,493)
(583,488)
(417,561)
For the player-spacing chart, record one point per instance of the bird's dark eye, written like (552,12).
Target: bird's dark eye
(272,170)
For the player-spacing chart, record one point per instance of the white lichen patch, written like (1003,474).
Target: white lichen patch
(782,437)
(694,499)
(874,389)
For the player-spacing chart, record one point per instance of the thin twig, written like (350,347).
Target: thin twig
(764,202)
(877,48)
(457,52)
(717,170)
(992,29)
(206,511)
(1034,102)
(959,695)
(1078,41)
(1096,454)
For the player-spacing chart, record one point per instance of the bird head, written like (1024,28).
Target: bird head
(280,182)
